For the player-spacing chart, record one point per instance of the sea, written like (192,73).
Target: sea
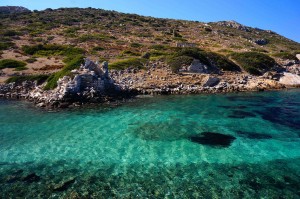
(238,145)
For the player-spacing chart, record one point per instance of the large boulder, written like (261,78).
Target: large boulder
(211,82)
(290,79)
(197,67)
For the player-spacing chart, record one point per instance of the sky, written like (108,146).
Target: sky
(281,16)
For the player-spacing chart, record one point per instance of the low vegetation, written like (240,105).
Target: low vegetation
(253,62)
(132,62)
(71,64)
(19,79)
(10,63)
(185,57)
(52,50)
(6,45)
(285,55)
(176,62)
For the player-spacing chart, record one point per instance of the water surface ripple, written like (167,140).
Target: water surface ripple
(160,147)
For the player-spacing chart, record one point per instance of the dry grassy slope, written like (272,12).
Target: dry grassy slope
(118,33)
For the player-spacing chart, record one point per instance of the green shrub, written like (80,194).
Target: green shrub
(158,47)
(72,64)
(6,45)
(156,53)
(130,53)
(221,62)
(98,48)
(253,62)
(10,63)
(19,79)
(52,50)
(10,33)
(136,45)
(285,55)
(176,62)
(31,60)
(94,37)
(21,68)
(195,53)
(133,62)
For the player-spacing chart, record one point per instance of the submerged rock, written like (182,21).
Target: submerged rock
(213,139)
(31,178)
(64,185)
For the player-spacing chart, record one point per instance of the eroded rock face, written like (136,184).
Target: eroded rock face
(233,24)
(89,81)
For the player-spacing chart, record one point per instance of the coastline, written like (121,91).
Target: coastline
(93,83)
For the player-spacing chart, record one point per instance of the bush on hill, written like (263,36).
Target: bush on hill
(71,64)
(19,79)
(133,62)
(208,58)
(52,50)
(10,63)
(285,55)
(221,62)
(253,62)
(6,45)
(176,62)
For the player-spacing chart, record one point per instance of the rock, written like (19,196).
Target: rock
(64,105)
(64,185)
(42,104)
(233,24)
(298,56)
(211,82)
(290,79)
(213,139)
(197,67)
(31,178)
(261,41)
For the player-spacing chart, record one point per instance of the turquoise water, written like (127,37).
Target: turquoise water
(144,148)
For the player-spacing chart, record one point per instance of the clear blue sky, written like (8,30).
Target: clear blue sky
(281,16)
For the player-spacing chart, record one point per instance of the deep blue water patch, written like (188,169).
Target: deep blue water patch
(213,139)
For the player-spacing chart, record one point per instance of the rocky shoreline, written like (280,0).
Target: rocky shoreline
(93,83)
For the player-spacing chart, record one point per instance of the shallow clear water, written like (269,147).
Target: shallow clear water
(144,148)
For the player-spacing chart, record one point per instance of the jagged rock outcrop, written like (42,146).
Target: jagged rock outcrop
(13,9)
(89,82)
(233,24)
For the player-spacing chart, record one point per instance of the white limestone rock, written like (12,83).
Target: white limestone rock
(290,79)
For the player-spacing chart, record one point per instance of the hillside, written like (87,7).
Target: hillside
(47,40)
